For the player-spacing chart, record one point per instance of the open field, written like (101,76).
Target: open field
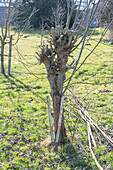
(24,123)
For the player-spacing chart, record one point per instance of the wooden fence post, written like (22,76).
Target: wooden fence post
(10,52)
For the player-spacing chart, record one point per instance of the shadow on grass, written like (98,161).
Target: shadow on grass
(39,32)
(69,156)
(109,42)
(90,31)
(74,158)
(17,80)
(13,81)
(31,31)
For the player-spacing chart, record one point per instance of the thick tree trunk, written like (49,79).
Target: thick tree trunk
(56,80)
(2,58)
(56,76)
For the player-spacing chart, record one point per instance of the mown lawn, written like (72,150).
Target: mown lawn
(24,123)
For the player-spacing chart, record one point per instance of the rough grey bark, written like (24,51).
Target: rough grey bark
(56,71)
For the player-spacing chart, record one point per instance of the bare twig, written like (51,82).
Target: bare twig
(93,155)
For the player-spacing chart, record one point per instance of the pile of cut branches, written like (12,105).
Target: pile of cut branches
(93,130)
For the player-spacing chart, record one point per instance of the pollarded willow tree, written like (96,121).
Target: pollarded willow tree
(56,52)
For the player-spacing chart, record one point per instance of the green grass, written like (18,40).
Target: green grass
(24,120)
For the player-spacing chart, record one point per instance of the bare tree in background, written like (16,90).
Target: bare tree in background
(3,36)
(105,16)
(6,37)
(58,14)
(56,53)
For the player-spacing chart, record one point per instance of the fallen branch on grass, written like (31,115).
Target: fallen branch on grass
(89,122)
